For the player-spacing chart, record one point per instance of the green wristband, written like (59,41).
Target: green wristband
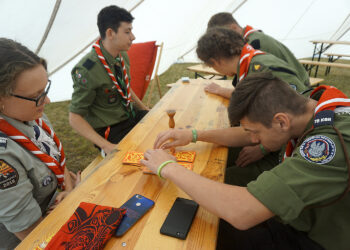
(194,135)
(161,166)
(263,151)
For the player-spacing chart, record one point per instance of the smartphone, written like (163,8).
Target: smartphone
(179,220)
(135,207)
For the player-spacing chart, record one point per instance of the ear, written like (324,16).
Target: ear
(109,33)
(282,121)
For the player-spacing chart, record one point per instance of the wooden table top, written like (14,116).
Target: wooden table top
(201,68)
(113,183)
(331,42)
(314,81)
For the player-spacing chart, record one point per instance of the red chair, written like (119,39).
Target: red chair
(142,59)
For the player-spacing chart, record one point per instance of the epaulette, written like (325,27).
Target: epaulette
(3,140)
(323,118)
(280,69)
(88,64)
(255,44)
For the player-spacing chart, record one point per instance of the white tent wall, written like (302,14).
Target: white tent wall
(178,24)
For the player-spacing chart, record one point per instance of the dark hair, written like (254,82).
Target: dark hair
(111,17)
(260,96)
(14,59)
(219,43)
(221,19)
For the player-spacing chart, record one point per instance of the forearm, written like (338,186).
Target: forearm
(230,137)
(231,203)
(84,129)
(138,103)
(68,182)
(226,92)
(21,235)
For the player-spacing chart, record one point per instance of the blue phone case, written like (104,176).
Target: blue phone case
(135,207)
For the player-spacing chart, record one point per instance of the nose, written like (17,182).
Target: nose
(47,100)
(132,36)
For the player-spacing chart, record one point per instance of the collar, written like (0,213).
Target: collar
(26,128)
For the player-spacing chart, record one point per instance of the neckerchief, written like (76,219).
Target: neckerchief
(247,31)
(248,52)
(126,96)
(329,100)
(56,167)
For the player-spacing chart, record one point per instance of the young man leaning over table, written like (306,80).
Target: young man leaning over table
(307,191)
(102,107)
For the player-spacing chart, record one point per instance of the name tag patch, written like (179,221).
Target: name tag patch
(318,149)
(8,175)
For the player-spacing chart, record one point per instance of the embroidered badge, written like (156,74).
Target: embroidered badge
(47,180)
(257,67)
(318,149)
(3,140)
(8,175)
(323,118)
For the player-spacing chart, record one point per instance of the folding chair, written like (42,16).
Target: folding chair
(142,59)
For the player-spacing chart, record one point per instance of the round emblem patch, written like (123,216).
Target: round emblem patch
(318,149)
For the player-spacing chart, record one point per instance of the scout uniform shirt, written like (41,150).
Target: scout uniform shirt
(26,183)
(279,68)
(268,44)
(95,96)
(316,173)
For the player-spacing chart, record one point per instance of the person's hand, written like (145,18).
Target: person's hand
(173,138)
(76,178)
(108,147)
(248,155)
(58,200)
(213,88)
(154,157)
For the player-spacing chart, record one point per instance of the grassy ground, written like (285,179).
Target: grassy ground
(81,152)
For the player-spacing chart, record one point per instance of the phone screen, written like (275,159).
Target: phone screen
(135,207)
(179,220)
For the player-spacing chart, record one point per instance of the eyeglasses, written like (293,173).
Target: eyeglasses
(40,99)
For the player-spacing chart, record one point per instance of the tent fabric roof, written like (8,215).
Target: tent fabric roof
(178,24)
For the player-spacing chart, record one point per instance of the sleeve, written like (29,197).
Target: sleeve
(18,208)
(310,176)
(83,92)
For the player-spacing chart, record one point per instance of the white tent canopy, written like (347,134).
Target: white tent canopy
(178,24)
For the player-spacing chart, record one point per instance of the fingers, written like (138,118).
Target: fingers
(161,138)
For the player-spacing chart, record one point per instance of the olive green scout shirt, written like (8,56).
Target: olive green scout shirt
(95,97)
(268,44)
(316,173)
(26,183)
(279,68)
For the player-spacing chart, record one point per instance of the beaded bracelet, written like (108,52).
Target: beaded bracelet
(161,166)
(194,135)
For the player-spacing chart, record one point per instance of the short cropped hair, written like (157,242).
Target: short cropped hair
(221,19)
(219,43)
(111,17)
(260,96)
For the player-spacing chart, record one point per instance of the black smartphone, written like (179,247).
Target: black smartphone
(179,220)
(135,207)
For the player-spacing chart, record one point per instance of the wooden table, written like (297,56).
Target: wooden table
(202,69)
(112,183)
(315,81)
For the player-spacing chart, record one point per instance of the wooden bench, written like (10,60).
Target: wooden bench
(326,64)
(315,81)
(332,57)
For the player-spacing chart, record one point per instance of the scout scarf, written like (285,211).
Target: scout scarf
(127,95)
(329,100)
(247,31)
(248,52)
(56,167)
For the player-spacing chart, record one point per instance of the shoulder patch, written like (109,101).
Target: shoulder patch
(255,44)
(3,140)
(325,117)
(257,67)
(318,149)
(8,175)
(88,64)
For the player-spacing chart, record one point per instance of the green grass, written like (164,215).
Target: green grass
(80,152)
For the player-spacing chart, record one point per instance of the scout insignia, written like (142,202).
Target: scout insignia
(47,180)
(8,175)
(257,67)
(318,149)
